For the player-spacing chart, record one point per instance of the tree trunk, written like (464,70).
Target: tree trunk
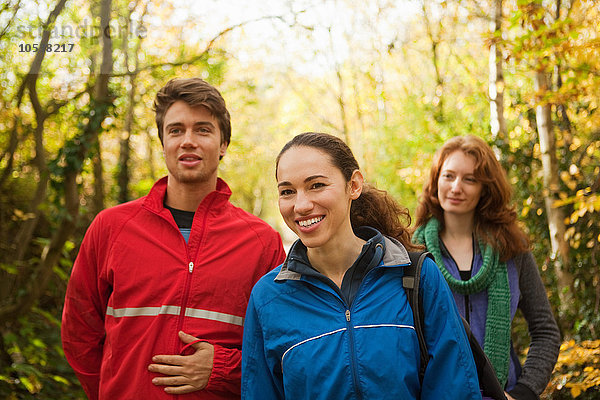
(98,199)
(102,95)
(438,102)
(123,175)
(564,123)
(556,225)
(345,130)
(496,89)
(150,149)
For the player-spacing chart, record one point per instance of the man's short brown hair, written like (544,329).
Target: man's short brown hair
(195,92)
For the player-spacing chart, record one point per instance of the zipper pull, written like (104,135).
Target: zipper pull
(191,267)
(348,315)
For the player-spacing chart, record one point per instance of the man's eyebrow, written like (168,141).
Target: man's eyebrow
(173,124)
(204,123)
(199,123)
(308,179)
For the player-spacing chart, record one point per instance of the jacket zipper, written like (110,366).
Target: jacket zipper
(354,362)
(190,268)
(186,291)
(188,279)
(350,328)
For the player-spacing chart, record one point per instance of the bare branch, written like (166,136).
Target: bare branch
(12,18)
(202,54)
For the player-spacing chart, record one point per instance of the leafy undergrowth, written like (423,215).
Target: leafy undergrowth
(577,372)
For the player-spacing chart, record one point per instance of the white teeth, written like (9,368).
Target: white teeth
(309,222)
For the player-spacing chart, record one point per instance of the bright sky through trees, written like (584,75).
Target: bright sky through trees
(306,35)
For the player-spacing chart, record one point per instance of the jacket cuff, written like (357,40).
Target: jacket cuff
(216,374)
(522,392)
(226,370)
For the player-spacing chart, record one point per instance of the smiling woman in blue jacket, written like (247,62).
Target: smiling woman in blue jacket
(334,322)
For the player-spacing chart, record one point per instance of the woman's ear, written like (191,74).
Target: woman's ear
(356,184)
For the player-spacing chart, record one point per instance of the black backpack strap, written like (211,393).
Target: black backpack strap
(411,282)
(488,382)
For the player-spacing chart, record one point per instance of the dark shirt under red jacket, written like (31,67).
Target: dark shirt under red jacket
(136,283)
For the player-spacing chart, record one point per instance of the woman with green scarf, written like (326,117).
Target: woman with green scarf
(466,221)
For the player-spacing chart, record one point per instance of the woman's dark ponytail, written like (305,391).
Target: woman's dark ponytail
(376,208)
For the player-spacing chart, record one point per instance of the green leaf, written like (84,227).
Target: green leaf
(62,380)
(10,268)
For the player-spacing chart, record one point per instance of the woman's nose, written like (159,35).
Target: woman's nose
(455,186)
(303,204)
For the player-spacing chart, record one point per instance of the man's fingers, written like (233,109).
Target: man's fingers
(170,381)
(175,384)
(166,369)
(180,389)
(186,338)
(198,345)
(168,359)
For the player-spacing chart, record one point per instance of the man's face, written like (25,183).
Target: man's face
(192,144)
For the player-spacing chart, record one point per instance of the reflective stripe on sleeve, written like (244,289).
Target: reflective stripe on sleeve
(174,310)
(214,316)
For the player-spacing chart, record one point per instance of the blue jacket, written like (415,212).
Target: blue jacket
(302,340)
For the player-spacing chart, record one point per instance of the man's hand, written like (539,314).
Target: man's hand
(184,374)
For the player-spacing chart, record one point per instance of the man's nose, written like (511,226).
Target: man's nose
(188,139)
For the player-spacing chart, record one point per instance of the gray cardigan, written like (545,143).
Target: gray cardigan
(544,333)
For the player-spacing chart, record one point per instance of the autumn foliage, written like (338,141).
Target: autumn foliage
(577,372)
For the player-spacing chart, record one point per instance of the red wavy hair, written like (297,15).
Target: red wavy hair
(495,216)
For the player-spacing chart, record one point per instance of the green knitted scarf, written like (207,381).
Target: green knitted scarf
(492,276)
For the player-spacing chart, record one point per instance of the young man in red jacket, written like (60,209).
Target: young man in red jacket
(156,301)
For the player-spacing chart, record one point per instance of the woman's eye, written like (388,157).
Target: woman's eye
(285,192)
(317,185)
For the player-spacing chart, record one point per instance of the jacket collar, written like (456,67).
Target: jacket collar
(154,201)
(296,263)
(395,253)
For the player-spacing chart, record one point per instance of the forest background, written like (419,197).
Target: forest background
(394,79)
